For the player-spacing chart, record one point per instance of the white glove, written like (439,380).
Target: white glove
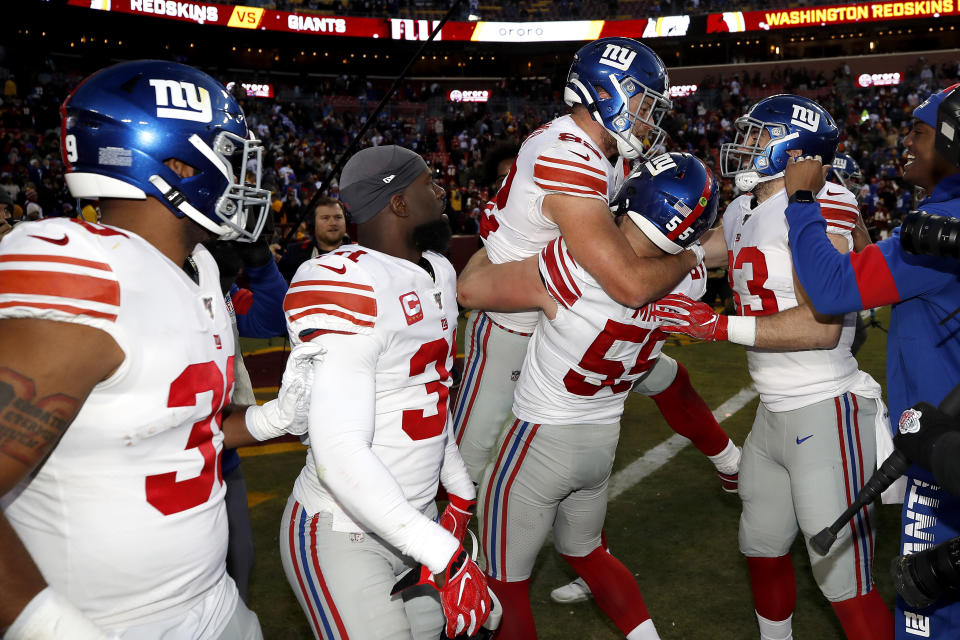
(289,412)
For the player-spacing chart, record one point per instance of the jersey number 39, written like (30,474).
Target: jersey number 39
(167,494)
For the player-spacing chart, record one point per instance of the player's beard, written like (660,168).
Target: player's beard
(433,235)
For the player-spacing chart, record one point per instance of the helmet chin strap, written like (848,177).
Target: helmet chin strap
(747,180)
(628,145)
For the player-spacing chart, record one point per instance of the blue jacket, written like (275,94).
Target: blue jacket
(263,318)
(923,359)
(923,355)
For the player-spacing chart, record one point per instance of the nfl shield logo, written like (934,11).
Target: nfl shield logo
(436,298)
(208,305)
(515,375)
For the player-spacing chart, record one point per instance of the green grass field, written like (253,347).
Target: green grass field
(676,530)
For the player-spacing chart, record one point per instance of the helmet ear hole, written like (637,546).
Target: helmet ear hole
(602,93)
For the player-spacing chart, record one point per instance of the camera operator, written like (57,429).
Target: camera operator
(923,349)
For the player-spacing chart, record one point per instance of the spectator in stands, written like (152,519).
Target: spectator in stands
(497,163)
(9,186)
(329,233)
(33,209)
(6,213)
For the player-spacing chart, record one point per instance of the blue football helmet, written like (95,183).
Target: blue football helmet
(123,122)
(846,171)
(791,122)
(672,198)
(622,68)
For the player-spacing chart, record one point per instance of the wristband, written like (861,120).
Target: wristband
(49,616)
(698,251)
(802,195)
(260,421)
(742,330)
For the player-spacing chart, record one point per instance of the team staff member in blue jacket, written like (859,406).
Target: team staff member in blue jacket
(923,348)
(258,313)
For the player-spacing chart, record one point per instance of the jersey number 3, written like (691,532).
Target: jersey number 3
(167,494)
(415,423)
(750,268)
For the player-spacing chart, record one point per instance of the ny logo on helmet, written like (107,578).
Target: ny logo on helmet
(806,118)
(188,101)
(618,57)
(660,164)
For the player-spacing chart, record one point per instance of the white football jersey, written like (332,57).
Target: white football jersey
(356,290)
(761,276)
(559,157)
(580,365)
(126,517)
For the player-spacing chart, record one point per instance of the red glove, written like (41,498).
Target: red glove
(680,314)
(457,516)
(464,595)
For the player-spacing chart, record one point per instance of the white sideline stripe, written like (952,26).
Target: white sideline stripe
(658,456)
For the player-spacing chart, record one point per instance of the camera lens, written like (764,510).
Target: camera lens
(927,234)
(923,578)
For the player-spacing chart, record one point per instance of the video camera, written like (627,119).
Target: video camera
(927,576)
(928,234)
(933,574)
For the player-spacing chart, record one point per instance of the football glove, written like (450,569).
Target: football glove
(464,595)
(919,430)
(680,314)
(290,411)
(456,516)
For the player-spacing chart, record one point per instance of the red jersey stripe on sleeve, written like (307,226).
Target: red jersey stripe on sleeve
(563,257)
(571,190)
(112,317)
(366,305)
(330,283)
(39,257)
(330,312)
(572,178)
(565,293)
(70,286)
(548,160)
(842,214)
(874,279)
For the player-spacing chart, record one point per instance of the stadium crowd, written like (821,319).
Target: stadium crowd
(307,129)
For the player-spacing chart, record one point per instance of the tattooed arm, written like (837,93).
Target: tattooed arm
(47,369)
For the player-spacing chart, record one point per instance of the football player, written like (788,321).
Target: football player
(560,184)
(554,457)
(116,361)
(846,171)
(923,354)
(812,444)
(362,510)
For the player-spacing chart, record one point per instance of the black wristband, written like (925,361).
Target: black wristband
(802,195)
